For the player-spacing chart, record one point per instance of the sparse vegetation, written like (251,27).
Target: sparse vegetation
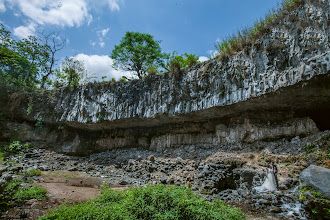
(315,202)
(39,124)
(18,190)
(150,202)
(247,36)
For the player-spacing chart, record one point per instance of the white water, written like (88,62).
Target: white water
(291,208)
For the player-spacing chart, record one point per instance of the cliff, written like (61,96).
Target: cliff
(279,86)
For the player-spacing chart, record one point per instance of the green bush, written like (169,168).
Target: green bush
(27,193)
(32,172)
(150,202)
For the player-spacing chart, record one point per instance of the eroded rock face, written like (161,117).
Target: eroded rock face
(295,49)
(277,86)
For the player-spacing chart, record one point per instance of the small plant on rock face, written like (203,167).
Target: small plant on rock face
(29,109)
(100,118)
(38,124)
(60,128)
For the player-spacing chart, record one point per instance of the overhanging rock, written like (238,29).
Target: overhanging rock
(278,86)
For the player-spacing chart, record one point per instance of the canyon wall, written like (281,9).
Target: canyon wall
(278,86)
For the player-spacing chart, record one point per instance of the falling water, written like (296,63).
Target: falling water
(291,208)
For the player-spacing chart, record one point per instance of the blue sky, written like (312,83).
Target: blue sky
(93,27)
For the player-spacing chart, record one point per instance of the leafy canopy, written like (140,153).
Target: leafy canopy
(137,52)
(27,64)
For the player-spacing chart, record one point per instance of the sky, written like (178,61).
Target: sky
(93,27)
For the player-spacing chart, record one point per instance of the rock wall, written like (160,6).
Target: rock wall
(270,89)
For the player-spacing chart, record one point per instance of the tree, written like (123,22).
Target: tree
(137,52)
(37,55)
(71,73)
(20,61)
(53,43)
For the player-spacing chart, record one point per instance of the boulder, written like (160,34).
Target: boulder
(317,178)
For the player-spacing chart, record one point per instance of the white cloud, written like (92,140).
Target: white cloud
(89,19)
(113,5)
(101,43)
(203,59)
(2,6)
(56,12)
(100,66)
(101,35)
(104,32)
(25,31)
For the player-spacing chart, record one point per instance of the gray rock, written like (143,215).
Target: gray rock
(318,178)
(123,182)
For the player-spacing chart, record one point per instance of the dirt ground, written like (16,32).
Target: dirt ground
(69,186)
(63,187)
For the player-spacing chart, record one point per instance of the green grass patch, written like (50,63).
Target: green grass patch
(27,193)
(150,202)
(32,172)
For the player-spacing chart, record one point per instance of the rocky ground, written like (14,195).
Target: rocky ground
(228,176)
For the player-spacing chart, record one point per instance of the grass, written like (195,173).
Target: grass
(150,202)
(32,172)
(238,41)
(27,193)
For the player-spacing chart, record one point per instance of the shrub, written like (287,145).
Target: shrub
(150,202)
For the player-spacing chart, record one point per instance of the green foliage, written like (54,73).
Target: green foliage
(100,118)
(177,62)
(26,65)
(39,124)
(27,193)
(13,147)
(32,172)
(7,191)
(137,52)
(60,127)
(236,42)
(29,109)
(21,62)
(152,70)
(150,202)
(315,202)
(71,73)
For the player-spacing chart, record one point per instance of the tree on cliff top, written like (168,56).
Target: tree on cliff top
(137,52)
